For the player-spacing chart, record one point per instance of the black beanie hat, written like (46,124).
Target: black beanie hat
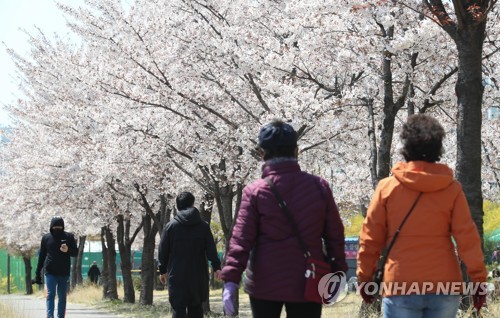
(277,134)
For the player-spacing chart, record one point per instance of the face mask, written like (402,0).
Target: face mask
(57,231)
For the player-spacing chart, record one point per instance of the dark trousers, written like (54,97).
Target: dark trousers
(93,279)
(272,309)
(189,312)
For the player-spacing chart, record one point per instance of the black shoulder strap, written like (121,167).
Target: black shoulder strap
(283,206)
(385,251)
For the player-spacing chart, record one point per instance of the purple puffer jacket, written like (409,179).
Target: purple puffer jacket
(263,236)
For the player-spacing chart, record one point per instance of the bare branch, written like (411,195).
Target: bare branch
(136,232)
(146,206)
(189,174)
(256,90)
(211,78)
(127,96)
(439,11)
(112,187)
(330,138)
(210,110)
(185,155)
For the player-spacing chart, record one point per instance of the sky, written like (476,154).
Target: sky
(16,15)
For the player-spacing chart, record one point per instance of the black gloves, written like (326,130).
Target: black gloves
(38,279)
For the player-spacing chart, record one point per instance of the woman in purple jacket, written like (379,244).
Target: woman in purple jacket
(263,242)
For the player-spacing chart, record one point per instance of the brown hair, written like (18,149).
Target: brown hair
(422,137)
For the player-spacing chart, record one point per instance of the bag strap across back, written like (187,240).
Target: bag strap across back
(385,251)
(284,207)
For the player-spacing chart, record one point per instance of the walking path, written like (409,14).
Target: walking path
(34,307)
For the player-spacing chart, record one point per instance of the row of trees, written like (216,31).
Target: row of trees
(153,98)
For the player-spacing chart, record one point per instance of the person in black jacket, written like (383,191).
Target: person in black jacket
(186,243)
(56,249)
(94,273)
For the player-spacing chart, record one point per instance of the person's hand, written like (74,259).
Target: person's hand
(217,274)
(228,296)
(479,297)
(363,290)
(163,278)
(64,248)
(38,278)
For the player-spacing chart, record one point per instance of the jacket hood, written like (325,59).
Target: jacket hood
(423,176)
(56,221)
(189,216)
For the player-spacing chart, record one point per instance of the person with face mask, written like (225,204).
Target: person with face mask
(56,249)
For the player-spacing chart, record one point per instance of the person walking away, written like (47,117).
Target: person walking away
(186,244)
(94,273)
(423,255)
(56,250)
(263,242)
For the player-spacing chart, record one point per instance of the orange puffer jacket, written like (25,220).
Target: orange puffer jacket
(424,251)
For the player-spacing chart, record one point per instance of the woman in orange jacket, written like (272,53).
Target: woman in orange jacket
(422,276)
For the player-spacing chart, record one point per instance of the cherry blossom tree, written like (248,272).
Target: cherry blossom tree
(155,98)
(467,27)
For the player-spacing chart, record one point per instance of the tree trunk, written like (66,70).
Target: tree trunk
(411,103)
(468,32)
(206,209)
(72,282)
(148,266)
(81,250)
(76,271)
(469,90)
(383,161)
(151,224)
(224,199)
(373,141)
(105,261)
(125,248)
(27,274)
(112,287)
(384,150)
(391,106)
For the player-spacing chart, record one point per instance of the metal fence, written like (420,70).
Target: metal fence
(15,265)
(17,272)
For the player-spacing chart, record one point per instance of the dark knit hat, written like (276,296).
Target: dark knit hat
(277,134)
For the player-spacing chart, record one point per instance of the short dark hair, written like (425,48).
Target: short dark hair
(277,139)
(422,138)
(184,200)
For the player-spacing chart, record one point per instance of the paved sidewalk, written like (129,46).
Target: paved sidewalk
(34,307)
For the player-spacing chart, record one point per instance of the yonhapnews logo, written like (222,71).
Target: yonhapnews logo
(332,287)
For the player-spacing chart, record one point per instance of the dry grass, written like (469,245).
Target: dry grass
(88,295)
(347,308)
(491,310)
